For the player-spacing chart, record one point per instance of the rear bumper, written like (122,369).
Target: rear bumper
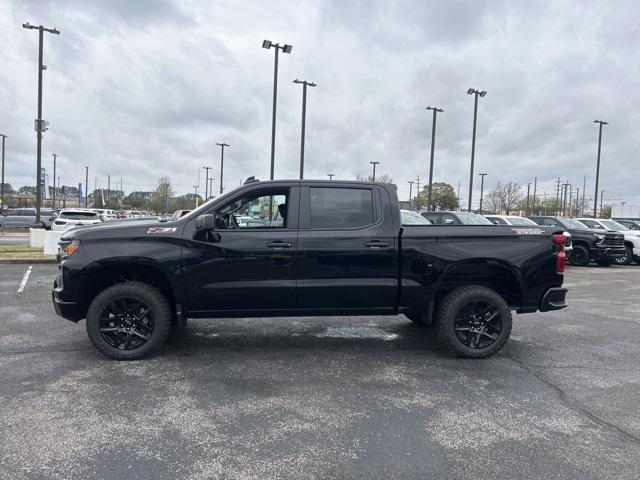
(554,299)
(64,309)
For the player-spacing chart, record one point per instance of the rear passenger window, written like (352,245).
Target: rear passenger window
(341,207)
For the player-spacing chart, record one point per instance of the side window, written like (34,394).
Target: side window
(550,222)
(449,219)
(260,209)
(341,207)
(498,221)
(590,223)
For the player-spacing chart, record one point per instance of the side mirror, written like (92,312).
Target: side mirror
(205,222)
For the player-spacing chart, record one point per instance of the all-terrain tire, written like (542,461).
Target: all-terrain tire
(628,257)
(461,300)
(137,291)
(579,256)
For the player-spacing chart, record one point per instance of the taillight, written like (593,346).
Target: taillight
(558,239)
(561,260)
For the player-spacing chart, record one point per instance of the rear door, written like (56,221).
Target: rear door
(347,249)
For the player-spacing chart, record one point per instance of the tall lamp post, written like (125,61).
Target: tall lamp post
(595,197)
(53,202)
(2,205)
(206,184)
(86,187)
(433,142)
(285,49)
(482,175)
(410,182)
(305,84)
(374,169)
(476,94)
(221,145)
(40,124)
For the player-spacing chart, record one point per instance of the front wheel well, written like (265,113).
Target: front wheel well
(98,279)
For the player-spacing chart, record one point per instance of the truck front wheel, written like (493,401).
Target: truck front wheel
(474,321)
(129,320)
(579,256)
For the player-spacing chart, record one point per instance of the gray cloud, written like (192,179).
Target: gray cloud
(143,89)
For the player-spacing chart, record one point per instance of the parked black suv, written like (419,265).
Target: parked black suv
(601,246)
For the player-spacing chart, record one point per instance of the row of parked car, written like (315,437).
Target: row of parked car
(61,219)
(603,241)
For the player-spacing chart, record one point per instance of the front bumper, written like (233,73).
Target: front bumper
(554,299)
(607,253)
(65,309)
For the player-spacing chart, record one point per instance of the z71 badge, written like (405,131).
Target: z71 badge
(528,231)
(161,229)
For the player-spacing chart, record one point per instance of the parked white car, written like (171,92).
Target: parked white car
(75,218)
(631,237)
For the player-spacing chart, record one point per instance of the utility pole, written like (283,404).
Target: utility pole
(535,186)
(374,169)
(418,193)
(595,199)
(221,145)
(2,205)
(331,175)
(195,194)
(476,93)
(528,190)
(285,49)
(86,186)
(53,201)
(206,184)
(410,191)
(482,175)
(578,202)
(557,211)
(564,197)
(433,143)
(584,189)
(211,186)
(601,202)
(108,188)
(305,84)
(40,124)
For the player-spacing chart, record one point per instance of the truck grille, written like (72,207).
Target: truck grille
(614,240)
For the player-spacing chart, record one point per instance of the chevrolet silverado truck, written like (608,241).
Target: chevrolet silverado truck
(310,248)
(601,246)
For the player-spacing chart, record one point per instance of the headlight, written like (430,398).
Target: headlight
(71,247)
(599,238)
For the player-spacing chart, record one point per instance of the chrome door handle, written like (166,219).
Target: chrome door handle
(376,244)
(279,245)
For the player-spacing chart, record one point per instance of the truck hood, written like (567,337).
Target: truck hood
(117,229)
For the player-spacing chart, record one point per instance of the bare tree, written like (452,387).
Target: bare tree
(504,197)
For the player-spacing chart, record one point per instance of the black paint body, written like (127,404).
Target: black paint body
(383,268)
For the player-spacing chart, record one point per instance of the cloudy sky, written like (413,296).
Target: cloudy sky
(143,89)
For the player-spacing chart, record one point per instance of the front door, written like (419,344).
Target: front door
(347,249)
(250,262)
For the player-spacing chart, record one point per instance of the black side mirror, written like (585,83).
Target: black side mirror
(205,222)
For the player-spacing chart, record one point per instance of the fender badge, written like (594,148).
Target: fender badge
(161,229)
(527,231)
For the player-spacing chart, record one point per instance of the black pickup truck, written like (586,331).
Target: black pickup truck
(305,248)
(601,246)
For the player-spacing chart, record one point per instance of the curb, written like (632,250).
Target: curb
(26,261)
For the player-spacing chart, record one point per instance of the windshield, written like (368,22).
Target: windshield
(205,206)
(473,219)
(573,223)
(613,225)
(520,221)
(413,218)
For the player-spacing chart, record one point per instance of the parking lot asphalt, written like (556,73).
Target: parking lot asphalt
(350,397)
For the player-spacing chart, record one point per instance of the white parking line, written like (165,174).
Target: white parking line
(23,283)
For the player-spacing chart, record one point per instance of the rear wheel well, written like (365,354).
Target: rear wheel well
(101,278)
(490,275)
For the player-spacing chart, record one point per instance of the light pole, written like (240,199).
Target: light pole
(206,184)
(2,205)
(55,156)
(331,175)
(410,182)
(211,186)
(595,197)
(535,186)
(285,49)
(195,194)
(482,175)
(221,145)
(374,169)
(433,142)
(476,93)
(40,124)
(305,84)
(528,192)
(86,186)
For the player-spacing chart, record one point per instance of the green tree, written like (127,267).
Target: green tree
(138,200)
(8,188)
(28,190)
(158,197)
(443,197)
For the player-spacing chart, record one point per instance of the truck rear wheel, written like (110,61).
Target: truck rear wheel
(579,256)
(129,320)
(474,321)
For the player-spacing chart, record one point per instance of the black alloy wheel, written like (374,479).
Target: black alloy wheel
(478,324)
(579,256)
(126,323)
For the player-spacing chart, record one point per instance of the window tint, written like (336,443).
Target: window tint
(341,207)
(550,222)
(449,219)
(257,209)
(78,215)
